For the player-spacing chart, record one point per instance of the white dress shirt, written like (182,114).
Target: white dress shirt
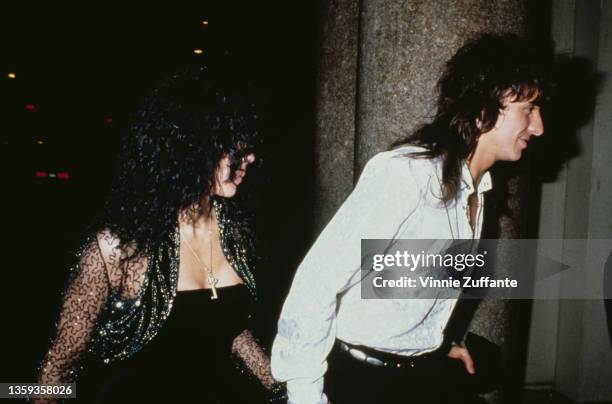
(396,197)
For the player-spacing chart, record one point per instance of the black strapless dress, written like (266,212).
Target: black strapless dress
(189,361)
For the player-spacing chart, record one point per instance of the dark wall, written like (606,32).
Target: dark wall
(80,66)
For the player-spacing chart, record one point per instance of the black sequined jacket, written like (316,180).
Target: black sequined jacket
(112,311)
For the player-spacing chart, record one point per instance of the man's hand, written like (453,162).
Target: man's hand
(461,353)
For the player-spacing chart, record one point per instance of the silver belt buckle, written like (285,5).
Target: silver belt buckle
(374,361)
(360,355)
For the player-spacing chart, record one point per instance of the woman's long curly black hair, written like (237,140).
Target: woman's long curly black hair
(475,82)
(170,152)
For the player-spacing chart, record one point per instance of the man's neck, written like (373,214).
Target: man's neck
(478,163)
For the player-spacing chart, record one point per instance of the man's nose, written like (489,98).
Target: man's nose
(536,125)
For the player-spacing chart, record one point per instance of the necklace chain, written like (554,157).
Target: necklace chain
(450,226)
(210,276)
(468,213)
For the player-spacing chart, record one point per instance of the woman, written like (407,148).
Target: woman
(163,288)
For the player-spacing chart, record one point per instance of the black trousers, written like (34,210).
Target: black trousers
(438,380)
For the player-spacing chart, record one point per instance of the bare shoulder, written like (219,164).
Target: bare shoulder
(120,262)
(110,248)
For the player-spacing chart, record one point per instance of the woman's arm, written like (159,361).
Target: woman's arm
(83,300)
(252,356)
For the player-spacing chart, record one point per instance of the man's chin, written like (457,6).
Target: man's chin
(514,156)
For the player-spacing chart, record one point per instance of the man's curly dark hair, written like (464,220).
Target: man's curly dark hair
(169,154)
(472,88)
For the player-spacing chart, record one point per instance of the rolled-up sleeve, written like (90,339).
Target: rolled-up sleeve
(385,195)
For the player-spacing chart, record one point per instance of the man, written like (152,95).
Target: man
(430,188)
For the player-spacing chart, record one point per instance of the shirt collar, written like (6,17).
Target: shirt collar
(467,183)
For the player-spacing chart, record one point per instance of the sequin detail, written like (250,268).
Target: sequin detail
(139,320)
(112,314)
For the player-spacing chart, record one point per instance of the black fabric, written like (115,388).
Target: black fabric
(438,380)
(190,359)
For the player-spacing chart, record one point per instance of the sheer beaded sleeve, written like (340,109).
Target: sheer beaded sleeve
(257,363)
(84,298)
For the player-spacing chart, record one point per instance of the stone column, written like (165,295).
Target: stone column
(335,107)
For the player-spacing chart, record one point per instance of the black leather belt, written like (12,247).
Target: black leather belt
(385,359)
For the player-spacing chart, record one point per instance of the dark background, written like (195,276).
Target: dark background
(84,68)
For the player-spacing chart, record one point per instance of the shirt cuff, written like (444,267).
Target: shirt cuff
(306,391)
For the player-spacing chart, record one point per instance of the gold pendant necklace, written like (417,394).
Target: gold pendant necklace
(210,277)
